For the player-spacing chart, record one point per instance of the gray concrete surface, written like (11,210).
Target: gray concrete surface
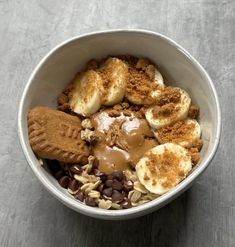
(29,216)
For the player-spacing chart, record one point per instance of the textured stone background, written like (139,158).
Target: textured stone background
(29,216)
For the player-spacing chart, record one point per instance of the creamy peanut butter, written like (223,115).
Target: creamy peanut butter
(122,140)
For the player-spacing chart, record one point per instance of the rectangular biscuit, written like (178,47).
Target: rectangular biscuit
(56,135)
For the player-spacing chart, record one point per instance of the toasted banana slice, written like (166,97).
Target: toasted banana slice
(115,76)
(159,116)
(163,167)
(185,133)
(85,96)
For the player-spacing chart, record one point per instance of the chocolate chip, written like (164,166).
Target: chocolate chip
(109,183)
(117,196)
(118,175)
(76,169)
(110,177)
(100,187)
(107,192)
(73,185)
(96,163)
(59,174)
(79,196)
(64,181)
(84,161)
(128,185)
(126,204)
(116,185)
(90,202)
(53,165)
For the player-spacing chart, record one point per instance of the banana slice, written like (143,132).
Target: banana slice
(185,133)
(138,94)
(169,112)
(115,76)
(158,78)
(163,167)
(85,98)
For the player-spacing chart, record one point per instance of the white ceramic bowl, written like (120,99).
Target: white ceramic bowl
(178,67)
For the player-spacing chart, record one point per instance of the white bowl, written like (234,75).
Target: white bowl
(178,67)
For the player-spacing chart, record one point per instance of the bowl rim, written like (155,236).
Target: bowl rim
(141,209)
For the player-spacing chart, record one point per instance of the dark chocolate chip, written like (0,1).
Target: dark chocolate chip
(128,185)
(100,187)
(64,181)
(90,202)
(59,174)
(79,196)
(117,196)
(107,192)
(103,178)
(118,175)
(116,185)
(109,183)
(96,163)
(84,161)
(76,169)
(53,165)
(110,177)
(126,204)
(73,185)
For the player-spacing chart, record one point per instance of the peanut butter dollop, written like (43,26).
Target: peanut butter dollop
(122,140)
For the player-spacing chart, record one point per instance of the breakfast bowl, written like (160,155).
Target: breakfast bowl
(178,68)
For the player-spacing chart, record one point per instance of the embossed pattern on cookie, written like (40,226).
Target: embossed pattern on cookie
(56,135)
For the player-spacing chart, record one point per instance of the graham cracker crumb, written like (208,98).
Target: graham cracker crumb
(177,132)
(169,95)
(195,155)
(146,177)
(193,111)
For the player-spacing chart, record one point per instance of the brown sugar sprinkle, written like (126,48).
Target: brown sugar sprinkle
(177,132)
(165,166)
(193,111)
